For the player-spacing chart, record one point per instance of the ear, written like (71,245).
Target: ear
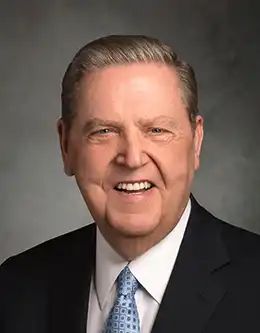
(64,138)
(198,139)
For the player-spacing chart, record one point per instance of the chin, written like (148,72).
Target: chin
(133,227)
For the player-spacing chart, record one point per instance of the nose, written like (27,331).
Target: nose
(131,152)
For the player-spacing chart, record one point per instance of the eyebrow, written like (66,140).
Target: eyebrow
(98,122)
(164,120)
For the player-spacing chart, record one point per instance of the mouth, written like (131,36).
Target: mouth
(134,187)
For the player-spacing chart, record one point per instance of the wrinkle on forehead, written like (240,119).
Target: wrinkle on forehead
(118,92)
(130,76)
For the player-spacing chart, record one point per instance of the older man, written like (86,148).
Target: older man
(154,260)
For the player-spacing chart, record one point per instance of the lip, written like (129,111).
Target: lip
(133,181)
(135,196)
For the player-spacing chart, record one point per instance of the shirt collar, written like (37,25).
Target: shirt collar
(154,277)
(108,266)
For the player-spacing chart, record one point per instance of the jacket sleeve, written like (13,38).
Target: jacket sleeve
(4,287)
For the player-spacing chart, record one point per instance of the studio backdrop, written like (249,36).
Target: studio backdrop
(38,39)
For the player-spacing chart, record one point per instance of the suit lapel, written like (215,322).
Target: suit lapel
(70,290)
(193,290)
(191,295)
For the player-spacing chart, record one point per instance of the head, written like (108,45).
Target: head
(131,135)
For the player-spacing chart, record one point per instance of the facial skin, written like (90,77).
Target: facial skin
(131,124)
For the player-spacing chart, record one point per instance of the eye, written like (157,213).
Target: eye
(157,130)
(103,131)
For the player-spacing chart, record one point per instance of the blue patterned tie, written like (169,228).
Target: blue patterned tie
(123,317)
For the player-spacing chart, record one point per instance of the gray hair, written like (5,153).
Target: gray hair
(120,50)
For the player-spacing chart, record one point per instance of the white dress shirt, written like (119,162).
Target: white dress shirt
(152,269)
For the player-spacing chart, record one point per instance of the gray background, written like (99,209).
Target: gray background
(38,39)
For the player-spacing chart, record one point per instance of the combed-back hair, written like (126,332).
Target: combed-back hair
(120,50)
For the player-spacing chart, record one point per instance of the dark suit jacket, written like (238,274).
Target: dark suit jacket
(214,286)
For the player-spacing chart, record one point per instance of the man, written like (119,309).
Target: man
(155,260)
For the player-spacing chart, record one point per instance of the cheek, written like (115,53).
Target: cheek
(178,169)
(91,166)
(177,163)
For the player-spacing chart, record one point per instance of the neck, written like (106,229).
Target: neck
(129,247)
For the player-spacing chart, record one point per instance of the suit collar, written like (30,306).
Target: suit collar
(193,290)
(191,295)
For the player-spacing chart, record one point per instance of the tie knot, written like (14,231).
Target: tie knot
(126,283)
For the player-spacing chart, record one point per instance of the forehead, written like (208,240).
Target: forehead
(130,88)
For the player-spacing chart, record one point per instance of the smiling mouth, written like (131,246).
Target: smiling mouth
(134,188)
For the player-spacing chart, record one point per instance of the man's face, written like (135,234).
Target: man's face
(132,131)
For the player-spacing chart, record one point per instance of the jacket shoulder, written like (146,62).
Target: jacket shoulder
(239,242)
(45,255)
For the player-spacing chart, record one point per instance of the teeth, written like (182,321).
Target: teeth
(147,185)
(134,186)
(129,187)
